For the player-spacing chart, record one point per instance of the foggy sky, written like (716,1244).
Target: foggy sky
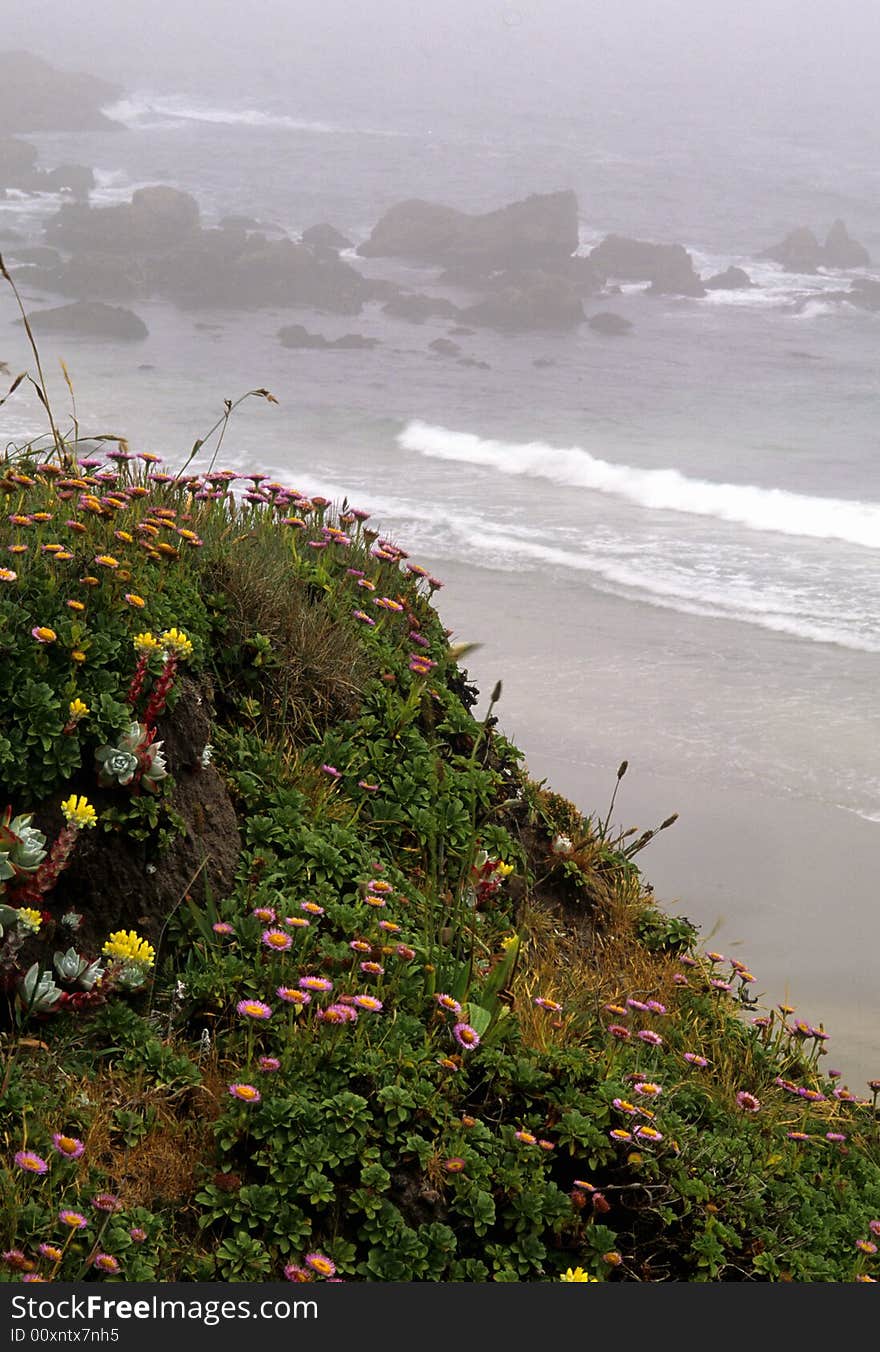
(766,59)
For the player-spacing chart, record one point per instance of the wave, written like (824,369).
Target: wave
(146,113)
(476,540)
(762,509)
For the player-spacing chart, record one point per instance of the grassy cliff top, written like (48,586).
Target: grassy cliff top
(304,975)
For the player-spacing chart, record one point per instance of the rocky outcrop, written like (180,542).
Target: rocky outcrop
(445,347)
(18,169)
(523,234)
(325,236)
(801,251)
(156,220)
(535,300)
(116,881)
(609,324)
(89,319)
(842,251)
(731,279)
(35,96)
(155,244)
(18,160)
(668,267)
(417,308)
(95,276)
(295,335)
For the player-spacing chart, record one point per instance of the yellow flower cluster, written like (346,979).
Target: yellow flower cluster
(78,812)
(29,919)
(503,870)
(128,946)
(78,710)
(146,643)
(176,642)
(577,1275)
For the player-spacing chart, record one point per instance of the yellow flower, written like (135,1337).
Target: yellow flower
(504,870)
(177,643)
(577,1275)
(77,710)
(43,634)
(106,561)
(78,655)
(134,600)
(79,812)
(129,947)
(75,605)
(29,918)
(146,643)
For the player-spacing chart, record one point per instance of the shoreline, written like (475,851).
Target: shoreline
(780,879)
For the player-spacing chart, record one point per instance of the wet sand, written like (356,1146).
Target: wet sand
(770,873)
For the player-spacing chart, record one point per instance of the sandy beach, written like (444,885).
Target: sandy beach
(770,873)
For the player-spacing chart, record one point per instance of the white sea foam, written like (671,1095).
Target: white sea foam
(760,509)
(150,112)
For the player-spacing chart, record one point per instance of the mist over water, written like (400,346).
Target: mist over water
(699,500)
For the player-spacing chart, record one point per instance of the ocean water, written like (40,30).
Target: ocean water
(696,506)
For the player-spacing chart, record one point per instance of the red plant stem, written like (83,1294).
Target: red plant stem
(46,875)
(160,694)
(137,680)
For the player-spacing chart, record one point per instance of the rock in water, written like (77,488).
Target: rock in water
(297,336)
(531,300)
(668,267)
(612,325)
(523,234)
(325,236)
(731,279)
(90,319)
(842,251)
(35,96)
(800,251)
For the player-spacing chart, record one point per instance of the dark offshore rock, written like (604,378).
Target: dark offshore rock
(96,276)
(77,179)
(445,347)
(668,267)
(800,251)
(731,279)
(864,293)
(283,272)
(537,300)
(18,160)
(89,319)
(155,220)
(524,233)
(18,169)
(842,251)
(609,324)
(35,96)
(296,335)
(418,308)
(325,236)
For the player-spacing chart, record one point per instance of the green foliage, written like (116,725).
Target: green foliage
(410,1119)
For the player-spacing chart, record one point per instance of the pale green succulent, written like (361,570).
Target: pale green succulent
(38,992)
(72,966)
(119,764)
(21,846)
